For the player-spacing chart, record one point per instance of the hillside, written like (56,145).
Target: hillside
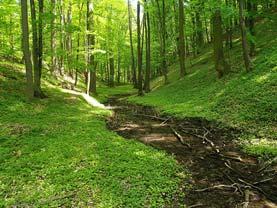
(242,100)
(58,151)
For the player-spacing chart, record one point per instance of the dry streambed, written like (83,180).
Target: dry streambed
(221,174)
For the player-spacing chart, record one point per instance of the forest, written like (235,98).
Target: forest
(138,103)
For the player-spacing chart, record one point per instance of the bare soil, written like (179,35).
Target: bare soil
(222,176)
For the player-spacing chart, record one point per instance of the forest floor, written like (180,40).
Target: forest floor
(58,152)
(221,174)
(245,101)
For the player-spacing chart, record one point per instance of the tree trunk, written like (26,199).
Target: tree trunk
(118,67)
(221,65)
(111,77)
(148,53)
(131,46)
(91,85)
(181,39)
(140,88)
(37,47)
(53,38)
(252,9)
(247,61)
(26,49)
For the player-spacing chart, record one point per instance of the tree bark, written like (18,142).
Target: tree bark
(91,85)
(134,78)
(111,77)
(181,39)
(245,49)
(221,65)
(252,9)
(140,88)
(36,51)
(148,52)
(53,38)
(26,49)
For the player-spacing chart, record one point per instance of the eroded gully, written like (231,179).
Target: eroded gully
(221,174)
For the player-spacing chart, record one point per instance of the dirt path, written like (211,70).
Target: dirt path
(222,175)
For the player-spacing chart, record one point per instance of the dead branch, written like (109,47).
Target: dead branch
(222,186)
(180,138)
(164,122)
(196,205)
(263,181)
(267,164)
(238,159)
(201,137)
(254,187)
(232,181)
(232,169)
(152,117)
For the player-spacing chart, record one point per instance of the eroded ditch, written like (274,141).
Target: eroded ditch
(221,174)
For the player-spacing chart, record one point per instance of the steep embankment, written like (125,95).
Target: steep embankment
(243,100)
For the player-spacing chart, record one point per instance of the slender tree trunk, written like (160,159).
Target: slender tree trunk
(221,65)
(181,39)
(91,85)
(148,53)
(61,56)
(140,88)
(111,77)
(40,94)
(131,46)
(246,57)
(53,38)
(252,9)
(118,66)
(26,49)
(37,47)
(199,32)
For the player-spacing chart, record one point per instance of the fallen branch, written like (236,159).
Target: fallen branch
(196,205)
(164,122)
(238,159)
(263,181)
(199,136)
(153,117)
(233,186)
(180,138)
(267,164)
(232,169)
(254,187)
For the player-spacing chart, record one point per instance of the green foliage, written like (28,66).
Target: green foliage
(58,152)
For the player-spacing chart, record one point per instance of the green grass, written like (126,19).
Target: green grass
(243,100)
(58,152)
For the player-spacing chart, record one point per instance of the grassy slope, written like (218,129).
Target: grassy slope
(247,101)
(58,152)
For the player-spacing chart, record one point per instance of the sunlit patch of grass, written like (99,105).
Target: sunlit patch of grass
(58,152)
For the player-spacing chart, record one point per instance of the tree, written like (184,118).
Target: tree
(148,52)
(26,49)
(37,47)
(181,39)
(131,45)
(245,49)
(140,88)
(91,84)
(221,65)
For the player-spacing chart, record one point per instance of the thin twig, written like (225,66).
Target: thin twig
(180,138)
